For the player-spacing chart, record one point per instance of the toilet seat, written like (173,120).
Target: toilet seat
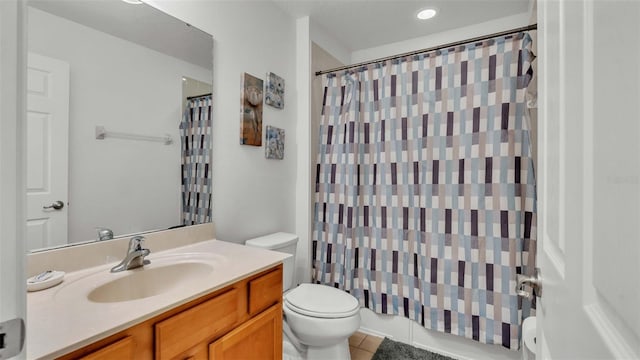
(321,301)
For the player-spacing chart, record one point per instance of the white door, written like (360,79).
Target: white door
(47,131)
(589,179)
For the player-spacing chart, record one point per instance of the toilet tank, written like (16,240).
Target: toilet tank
(282,242)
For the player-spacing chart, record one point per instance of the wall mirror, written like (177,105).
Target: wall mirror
(110,87)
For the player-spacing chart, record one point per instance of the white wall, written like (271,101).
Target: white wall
(251,195)
(125,185)
(485,28)
(329,43)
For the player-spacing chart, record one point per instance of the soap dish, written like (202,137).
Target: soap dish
(45,280)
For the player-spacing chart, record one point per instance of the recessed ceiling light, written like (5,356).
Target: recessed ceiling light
(426,14)
(134,2)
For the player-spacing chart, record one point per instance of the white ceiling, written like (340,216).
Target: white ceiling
(141,24)
(362,24)
(357,24)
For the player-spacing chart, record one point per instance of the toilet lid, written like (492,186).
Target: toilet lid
(321,301)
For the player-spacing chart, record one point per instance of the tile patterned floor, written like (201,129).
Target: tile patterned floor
(363,346)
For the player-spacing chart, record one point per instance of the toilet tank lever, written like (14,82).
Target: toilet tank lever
(534,281)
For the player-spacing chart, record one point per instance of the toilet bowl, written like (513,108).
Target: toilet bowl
(528,334)
(318,319)
(322,318)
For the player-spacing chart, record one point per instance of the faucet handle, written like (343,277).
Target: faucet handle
(136,243)
(104,233)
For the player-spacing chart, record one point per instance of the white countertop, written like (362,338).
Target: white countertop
(61,319)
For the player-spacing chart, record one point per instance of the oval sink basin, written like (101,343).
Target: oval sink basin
(145,282)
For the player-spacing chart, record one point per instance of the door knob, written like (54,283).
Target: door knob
(57,205)
(534,281)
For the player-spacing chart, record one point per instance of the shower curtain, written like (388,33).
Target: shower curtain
(425,191)
(195,134)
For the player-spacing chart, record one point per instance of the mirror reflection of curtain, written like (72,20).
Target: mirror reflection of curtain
(195,135)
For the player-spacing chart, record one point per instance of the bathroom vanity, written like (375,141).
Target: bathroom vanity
(207,300)
(241,320)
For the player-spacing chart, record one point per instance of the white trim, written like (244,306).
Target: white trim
(588,172)
(303,205)
(613,331)
(562,156)
(442,351)
(12,160)
(555,255)
(615,340)
(546,243)
(544,347)
(368,331)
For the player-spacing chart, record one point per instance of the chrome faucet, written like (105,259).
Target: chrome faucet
(135,256)
(104,234)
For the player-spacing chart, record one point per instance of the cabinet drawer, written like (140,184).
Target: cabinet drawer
(121,349)
(265,291)
(196,325)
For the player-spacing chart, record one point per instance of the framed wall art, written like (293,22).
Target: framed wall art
(274,148)
(274,95)
(251,110)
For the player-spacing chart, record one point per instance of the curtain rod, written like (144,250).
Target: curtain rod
(198,96)
(452,44)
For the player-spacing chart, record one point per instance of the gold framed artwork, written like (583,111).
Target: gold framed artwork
(251,110)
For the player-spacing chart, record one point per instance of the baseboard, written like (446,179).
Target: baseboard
(369,331)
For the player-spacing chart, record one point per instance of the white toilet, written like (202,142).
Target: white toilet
(318,319)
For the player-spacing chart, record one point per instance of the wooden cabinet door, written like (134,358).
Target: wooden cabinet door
(198,325)
(259,338)
(120,350)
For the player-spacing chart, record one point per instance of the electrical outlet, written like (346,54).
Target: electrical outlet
(12,335)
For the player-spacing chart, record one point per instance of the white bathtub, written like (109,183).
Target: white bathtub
(399,328)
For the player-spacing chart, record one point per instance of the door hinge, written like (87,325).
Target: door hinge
(12,335)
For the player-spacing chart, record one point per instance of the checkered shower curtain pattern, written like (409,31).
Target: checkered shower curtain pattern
(195,134)
(425,191)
